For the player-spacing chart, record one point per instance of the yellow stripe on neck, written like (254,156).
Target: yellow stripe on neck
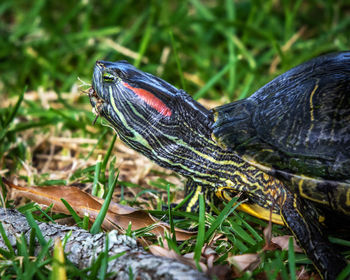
(194,199)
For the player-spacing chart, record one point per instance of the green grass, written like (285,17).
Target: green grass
(218,50)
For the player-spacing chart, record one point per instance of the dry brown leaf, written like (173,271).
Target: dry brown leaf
(163,252)
(282,242)
(245,262)
(221,272)
(278,242)
(268,234)
(117,217)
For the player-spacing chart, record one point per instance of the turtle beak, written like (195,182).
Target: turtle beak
(97,78)
(96,92)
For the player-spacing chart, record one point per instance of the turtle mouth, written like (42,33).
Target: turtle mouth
(95,92)
(96,102)
(95,99)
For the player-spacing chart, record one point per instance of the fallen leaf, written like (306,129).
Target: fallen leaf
(268,232)
(278,242)
(117,217)
(245,262)
(220,272)
(282,242)
(163,252)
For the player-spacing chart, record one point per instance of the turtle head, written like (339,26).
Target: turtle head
(149,114)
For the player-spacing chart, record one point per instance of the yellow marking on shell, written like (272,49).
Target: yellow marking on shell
(301,188)
(347,201)
(311,103)
(261,213)
(194,199)
(295,204)
(312,117)
(321,219)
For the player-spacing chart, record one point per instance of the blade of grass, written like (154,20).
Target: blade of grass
(95,267)
(249,227)
(230,11)
(66,238)
(104,261)
(6,240)
(28,23)
(86,221)
(345,274)
(5,254)
(74,214)
(291,259)
(178,64)
(102,32)
(12,115)
(44,213)
(172,245)
(247,85)
(280,257)
(103,212)
(212,82)
(95,186)
(108,154)
(177,207)
(32,242)
(203,10)
(244,51)
(111,258)
(171,220)
(339,241)
(228,209)
(15,108)
(22,251)
(58,264)
(238,230)
(98,142)
(146,36)
(35,226)
(201,232)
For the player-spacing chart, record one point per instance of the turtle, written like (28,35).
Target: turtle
(285,149)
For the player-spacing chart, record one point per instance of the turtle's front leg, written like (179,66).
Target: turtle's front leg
(302,220)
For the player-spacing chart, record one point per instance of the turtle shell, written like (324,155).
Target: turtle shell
(298,125)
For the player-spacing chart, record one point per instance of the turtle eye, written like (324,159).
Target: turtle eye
(108,77)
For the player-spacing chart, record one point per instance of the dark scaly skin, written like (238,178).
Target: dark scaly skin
(169,127)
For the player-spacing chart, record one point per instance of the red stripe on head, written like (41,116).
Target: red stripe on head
(151,100)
